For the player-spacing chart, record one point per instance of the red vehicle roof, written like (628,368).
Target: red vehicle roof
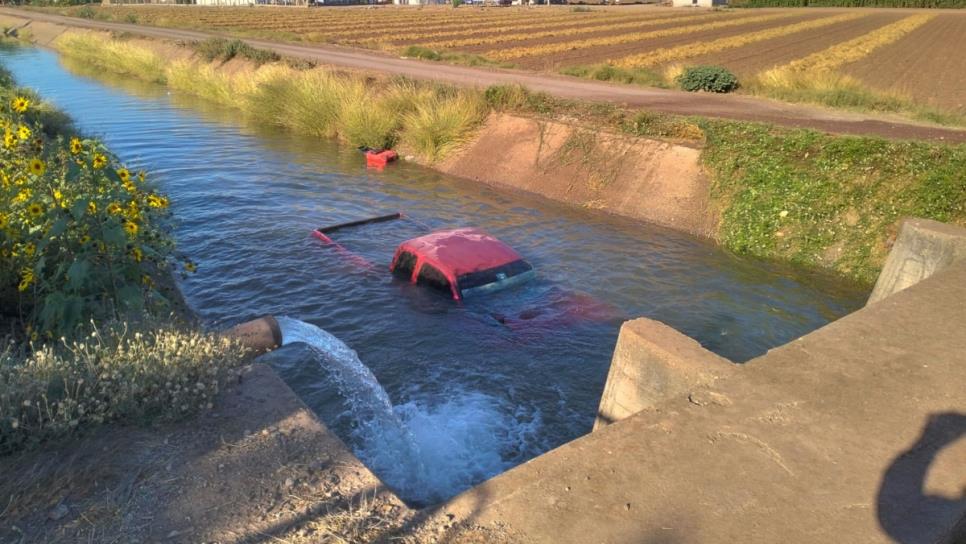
(460,251)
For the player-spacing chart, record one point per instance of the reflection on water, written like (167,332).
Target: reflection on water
(246,198)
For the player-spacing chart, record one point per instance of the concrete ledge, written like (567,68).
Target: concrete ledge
(923,248)
(653,363)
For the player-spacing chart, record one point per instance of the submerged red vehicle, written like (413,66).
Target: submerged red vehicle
(460,262)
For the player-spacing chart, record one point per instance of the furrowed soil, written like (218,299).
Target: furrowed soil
(593,55)
(929,63)
(753,58)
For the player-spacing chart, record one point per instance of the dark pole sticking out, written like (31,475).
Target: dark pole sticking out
(379,219)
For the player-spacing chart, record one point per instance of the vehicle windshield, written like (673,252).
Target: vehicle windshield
(493,275)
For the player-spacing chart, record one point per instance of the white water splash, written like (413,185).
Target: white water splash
(426,452)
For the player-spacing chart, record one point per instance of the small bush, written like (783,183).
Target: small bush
(131,18)
(607,72)
(581,9)
(713,79)
(222,49)
(87,12)
(59,389)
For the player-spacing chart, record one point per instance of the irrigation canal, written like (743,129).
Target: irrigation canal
(477,396)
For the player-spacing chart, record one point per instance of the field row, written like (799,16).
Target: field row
(758,45)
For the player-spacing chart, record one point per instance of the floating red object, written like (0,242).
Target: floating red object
(380,159)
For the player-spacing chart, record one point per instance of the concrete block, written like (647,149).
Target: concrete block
(652,364)
(923,248)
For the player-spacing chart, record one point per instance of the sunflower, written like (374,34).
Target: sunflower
(76,146)
(23,132)
(26,278)
(85,239)
(100,161)
(131,228)
(29,249)
(114,208)
(190,266)
(142,175)
(35,210)
(20,104)
(37,167)
(124,174)
(9,139)
(137,254)
(92,207)
(129,186)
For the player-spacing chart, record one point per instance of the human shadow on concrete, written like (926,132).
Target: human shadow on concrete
(904,509)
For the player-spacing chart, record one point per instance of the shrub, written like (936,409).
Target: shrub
(87,12)
(222,49)
(714,79)
(131,18)
(59,389)
(81,237)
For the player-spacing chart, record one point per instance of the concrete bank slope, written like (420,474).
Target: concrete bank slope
(646,179)
(855,433)
(745,108)
(260,467)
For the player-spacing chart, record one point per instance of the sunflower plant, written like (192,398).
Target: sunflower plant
(81,236)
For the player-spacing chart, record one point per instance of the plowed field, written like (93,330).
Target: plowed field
(919,58)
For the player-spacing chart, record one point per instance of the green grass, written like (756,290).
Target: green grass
(224,50)
(828,201)
(452,57)
(606,72)
(428,120)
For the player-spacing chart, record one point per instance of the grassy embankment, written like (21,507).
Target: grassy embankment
(796,195)
(84,245)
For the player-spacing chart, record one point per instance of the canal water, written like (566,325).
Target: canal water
(476,395)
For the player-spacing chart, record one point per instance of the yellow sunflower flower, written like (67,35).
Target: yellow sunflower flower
(35,210)
(114,208)
(137,255)
(100,161)
(20,104)
(26,278)
(92,207)
(9,139)
(129,186)
(124,174)
(37,167)
(29,250)
(76,146)
(190,266)
(131,228)
(23,132)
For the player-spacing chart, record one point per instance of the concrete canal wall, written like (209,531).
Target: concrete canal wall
(854,433)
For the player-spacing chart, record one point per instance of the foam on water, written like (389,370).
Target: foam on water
(426,452)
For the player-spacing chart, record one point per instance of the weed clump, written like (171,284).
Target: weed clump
(224,50)
(712,79)
(56,390)
(609,72)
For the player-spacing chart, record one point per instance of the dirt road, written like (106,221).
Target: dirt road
(660,100)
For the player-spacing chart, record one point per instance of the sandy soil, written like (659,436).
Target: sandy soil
(929,63)
(751,59)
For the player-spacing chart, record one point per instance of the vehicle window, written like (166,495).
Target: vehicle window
(500,273)
(431,277)
(404,265)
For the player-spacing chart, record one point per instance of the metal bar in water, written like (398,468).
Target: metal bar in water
(378,219)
